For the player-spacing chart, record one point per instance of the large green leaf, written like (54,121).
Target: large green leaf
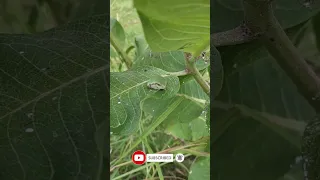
(227,14)
(191,131)
(248,149)
(188,109)
(193,89)
(253,78)
(188,28)
(172,61)
(53,97)
(196,128)
(127,91)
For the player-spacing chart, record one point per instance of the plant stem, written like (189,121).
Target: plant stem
(191,66)
(260,18)
(123,54)
(234,36)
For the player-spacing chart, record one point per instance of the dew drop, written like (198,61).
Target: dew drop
(190,172)
(29,130)
(111,132)
(119,100)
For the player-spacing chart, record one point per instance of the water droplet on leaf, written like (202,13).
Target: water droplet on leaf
(119,100)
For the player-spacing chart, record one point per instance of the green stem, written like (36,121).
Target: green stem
(191,66)
(123,54)
(259,17)
(198,77)
(156,123)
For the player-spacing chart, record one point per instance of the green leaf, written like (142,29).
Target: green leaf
(192,131)
(193,89)
(180,130)
(128,89)
(53,97)
(199,127)
(188,28)
(172,61)
(188,109)
(141,45)
(253,78)
(227,14)
(117,33)
(249,149)
(200,169)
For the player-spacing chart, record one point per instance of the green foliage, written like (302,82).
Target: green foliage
(259,115)
(156,92)
(187,30)
(53,100)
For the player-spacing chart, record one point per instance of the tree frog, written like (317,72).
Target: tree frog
(156,86)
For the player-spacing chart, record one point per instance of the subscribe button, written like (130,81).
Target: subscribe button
(139,157)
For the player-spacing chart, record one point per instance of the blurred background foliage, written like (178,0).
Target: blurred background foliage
(30,16)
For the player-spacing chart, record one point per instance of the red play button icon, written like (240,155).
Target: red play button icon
(139,157)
